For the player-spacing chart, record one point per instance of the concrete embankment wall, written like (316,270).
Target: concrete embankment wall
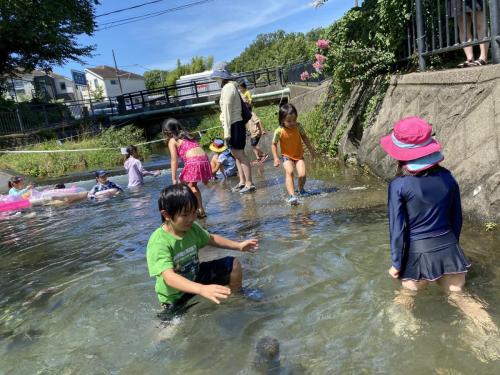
(463,106)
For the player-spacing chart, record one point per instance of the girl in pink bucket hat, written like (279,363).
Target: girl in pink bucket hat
(425,216)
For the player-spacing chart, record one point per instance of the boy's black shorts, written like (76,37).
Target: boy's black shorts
(255,141)
(216,271)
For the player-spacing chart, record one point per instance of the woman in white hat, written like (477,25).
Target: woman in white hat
(234,127)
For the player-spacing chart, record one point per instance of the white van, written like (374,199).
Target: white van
(188,85)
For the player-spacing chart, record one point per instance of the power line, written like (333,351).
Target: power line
(152,14)
(128,20)
(125,9)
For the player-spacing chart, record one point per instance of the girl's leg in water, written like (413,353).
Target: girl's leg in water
(194,188)
(401,310)
(301,173)
(481,334)
(288,165)
(473,309)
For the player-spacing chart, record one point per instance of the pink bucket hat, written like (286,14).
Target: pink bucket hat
(411,139)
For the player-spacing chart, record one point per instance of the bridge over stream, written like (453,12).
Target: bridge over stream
(189,99)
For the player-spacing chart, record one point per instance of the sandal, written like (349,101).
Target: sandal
(466,64)
(479,62)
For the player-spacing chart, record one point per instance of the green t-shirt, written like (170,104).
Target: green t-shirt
(166,251)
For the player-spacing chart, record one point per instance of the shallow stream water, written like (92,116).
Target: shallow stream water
(76,298)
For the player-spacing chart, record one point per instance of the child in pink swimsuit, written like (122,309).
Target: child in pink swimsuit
(196,164)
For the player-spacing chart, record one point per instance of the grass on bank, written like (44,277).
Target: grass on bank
(59,164)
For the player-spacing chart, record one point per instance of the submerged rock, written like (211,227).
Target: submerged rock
(267,356)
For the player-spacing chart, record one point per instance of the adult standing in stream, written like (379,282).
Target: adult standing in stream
(233,124)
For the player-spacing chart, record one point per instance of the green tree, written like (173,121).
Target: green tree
(156,78)
(42,33)
(277,48)
(160,78)
(97,94)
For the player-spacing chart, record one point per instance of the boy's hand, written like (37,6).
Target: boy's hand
(249,245)
(276,162)
(394,272)
(214,292)
(29,187)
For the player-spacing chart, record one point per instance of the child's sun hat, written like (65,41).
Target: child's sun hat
(217,146)
(411,141)
(101,173)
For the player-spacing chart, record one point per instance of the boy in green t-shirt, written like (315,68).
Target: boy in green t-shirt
(172,254)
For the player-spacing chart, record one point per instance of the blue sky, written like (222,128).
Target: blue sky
(221,28)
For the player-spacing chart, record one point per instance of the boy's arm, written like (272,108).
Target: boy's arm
(212,292)
(174,163)
(225,243)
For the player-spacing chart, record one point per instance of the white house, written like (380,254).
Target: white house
(48,86)
(105,77)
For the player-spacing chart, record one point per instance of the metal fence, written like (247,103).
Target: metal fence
(195,91)
(439,26)
(25,117)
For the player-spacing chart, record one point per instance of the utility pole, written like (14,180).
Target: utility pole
(355,3)
(116,71)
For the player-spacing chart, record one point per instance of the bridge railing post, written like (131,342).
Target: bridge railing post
(131,101)
(121,104)
(196,90)
(143,101)
(111,105)
(166,95)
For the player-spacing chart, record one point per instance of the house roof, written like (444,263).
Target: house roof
(107,72)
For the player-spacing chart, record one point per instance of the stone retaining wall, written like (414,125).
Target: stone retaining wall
(463,105)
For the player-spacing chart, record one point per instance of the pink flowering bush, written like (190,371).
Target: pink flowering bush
(304,76)
(318,66)
(320,58)
(323,44)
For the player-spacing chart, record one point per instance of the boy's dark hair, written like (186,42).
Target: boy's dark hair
(176,199)
(60,186)
(286,110)
(173,129)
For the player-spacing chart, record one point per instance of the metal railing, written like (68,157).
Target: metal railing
(195,91)
(26,117)
(439,26)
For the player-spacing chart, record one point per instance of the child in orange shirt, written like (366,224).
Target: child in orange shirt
(290,136)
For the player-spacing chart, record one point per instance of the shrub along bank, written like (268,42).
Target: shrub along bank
(59,164)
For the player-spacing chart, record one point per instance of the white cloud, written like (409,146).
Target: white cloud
(211,26)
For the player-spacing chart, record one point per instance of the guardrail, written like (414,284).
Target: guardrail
(27,117)
(440,26)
